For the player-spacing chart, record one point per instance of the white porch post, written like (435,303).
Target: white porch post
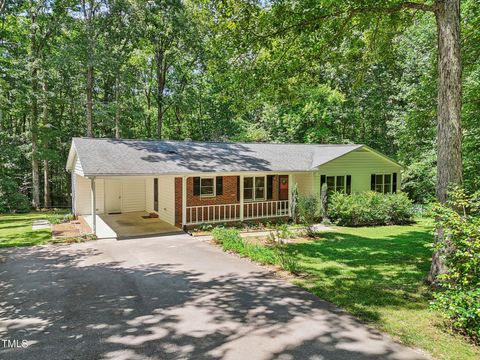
(94,205)
(290,185)
(184,201)
(241,198)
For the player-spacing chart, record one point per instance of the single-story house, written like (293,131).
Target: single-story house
(187,183)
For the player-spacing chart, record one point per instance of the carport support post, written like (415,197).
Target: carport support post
(241,197)
(94,205)
(184,202)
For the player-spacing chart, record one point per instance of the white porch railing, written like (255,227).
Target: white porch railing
(231,212)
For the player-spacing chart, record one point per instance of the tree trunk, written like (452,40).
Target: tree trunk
(89,91)
(88,15)
(149,120)
(46,185)
(46,177)
(179,120)
(449,133)
(161,72)
(117,109)
(34,119)
(35,174)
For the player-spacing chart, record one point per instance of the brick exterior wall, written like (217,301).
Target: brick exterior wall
(229,195)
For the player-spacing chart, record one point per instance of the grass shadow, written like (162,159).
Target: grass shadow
(363,270)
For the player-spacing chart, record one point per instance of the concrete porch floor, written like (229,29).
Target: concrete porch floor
(131,224)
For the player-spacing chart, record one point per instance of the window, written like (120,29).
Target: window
(259,188)
(384,183)
(330,184)
(248,188)
(207,186)
(387,183)
(254,188)
(340,183)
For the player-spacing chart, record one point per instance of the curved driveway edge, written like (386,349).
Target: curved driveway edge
(172,297)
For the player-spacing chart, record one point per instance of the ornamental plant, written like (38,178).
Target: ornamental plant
(458,294)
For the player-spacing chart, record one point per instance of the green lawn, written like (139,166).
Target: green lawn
(16,229)
(377,274)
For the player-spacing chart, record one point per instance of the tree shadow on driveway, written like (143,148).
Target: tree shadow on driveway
(69,308)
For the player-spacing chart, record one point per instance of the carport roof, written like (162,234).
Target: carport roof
(113,157)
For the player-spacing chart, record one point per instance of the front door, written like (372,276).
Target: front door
(283,188)
(113,196)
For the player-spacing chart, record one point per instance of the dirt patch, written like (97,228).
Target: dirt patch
(68,229)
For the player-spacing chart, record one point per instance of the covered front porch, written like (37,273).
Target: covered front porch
(120,206)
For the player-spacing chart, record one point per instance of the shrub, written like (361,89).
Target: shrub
(11,200)
(279,233)
(229,239)
(458,295)
(308,211)
(370,208)
(278,242)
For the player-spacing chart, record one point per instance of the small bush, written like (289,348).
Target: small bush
(370,209)
(458,296)
(308,211)
(287,260)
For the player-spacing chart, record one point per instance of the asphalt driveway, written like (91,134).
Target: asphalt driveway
(167,298)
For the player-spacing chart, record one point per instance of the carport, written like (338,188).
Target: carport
(130,225)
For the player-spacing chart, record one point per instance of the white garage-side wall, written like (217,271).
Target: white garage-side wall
(82,196)
(166,198)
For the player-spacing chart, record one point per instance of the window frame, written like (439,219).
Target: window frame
(254,188)
(380,188)
(346,184)
(214,180)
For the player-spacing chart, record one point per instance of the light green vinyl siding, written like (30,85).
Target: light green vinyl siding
(304,182)
(360,164)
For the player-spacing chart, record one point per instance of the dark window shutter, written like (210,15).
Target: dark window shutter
(270,187)
(349,184)
(372,182)
(219,185)
(323,180)
(238,188)
(394,183)
(196,186)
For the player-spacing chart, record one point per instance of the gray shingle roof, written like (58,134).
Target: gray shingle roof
(143,157)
